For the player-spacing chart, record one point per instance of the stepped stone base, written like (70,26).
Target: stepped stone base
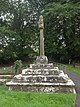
(42,88)
(42,77)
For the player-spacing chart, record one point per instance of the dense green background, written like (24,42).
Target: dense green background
(19,34)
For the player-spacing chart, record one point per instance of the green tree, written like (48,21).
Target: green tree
(9,42)
(62,31)
(17,19)
(19,36)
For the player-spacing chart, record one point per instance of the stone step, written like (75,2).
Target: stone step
(53,71)
(67,88)
(50,65)
(70,83)
(6,76)
(41,78)
(58,76)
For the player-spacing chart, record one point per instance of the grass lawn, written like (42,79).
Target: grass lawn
(30,99)
(73,69)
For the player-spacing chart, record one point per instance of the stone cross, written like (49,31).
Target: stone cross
(41,27)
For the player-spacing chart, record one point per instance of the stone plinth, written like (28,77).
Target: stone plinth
(42,88)
(42,78)
(41,60)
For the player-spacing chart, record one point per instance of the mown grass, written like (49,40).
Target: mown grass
(73,69)
(30,99)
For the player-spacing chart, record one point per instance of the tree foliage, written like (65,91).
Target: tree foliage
(17,26)
(62,31)
(19,35)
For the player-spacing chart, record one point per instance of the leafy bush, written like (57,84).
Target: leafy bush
(17,66)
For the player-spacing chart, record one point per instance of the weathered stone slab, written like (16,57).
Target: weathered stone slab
(41,60)
(41,88)
(42,71)
(47,66)
(42,79)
